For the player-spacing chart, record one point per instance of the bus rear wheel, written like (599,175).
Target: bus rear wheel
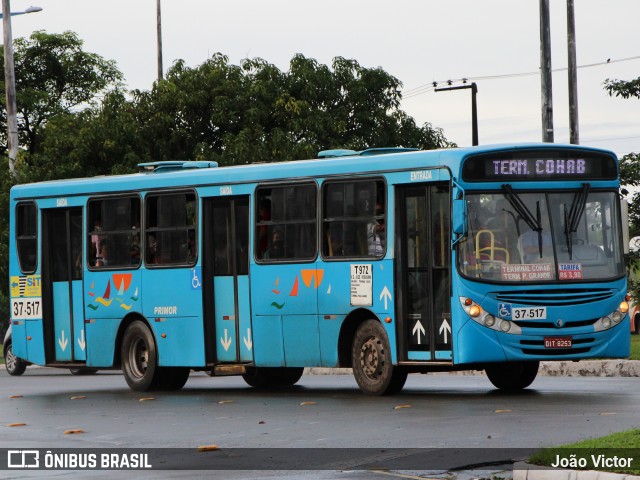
(272,377)
(371,361)
(139,357)
(15,366)
(512,376)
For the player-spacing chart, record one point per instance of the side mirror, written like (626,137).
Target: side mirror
(624,211)
(459,216)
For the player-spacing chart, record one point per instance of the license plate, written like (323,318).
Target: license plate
(557,342)
(529,313)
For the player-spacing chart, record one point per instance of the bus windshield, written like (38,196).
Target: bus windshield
(540,237)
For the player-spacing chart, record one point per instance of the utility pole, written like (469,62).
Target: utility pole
(160,71)
(474,106)
(545,72)
(10,87)
(573,75)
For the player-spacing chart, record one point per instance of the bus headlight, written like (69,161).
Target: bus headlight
(505,326)
(616,316)
(611,320)
(486,319)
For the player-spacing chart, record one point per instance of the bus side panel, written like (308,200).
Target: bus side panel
(226,341)
(180,342)
(329,334)
(19,338)
(79,340)
(173,306)
(101,341)
(267,342)
(35,342)
(301,340)
(62,322)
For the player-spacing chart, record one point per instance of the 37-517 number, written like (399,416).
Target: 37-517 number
(529,313)
(25,308)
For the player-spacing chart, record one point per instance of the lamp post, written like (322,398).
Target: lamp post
(159,24)
(10,82)
(474,107)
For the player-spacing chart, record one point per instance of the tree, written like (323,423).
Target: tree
(254,112)
(54,76)
(630,177)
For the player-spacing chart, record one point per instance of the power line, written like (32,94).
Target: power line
(429,87)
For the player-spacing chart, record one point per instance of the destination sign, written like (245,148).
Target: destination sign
(540,165)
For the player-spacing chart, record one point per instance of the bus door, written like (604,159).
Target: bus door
(226,275)
(63,264)
(423,272)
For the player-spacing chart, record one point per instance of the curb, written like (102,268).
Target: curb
(585,368)
(526,471)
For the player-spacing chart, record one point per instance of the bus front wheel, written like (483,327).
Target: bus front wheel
(139,357)
(371,361)
(512,376)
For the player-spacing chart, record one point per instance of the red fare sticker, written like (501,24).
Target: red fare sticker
(570,271)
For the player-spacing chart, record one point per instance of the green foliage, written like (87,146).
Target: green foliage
(54,76)
(622,88)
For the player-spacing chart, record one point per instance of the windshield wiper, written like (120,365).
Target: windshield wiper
(534,223)
(572,218)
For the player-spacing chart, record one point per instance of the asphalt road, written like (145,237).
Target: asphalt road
(445,412)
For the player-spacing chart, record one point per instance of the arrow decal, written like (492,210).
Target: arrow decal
(81,342)
(226,342)
(446,328)
(419,329)
(247,340)
(386,294)
(63,342)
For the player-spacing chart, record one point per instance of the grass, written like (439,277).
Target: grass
(635,347)
(621,445)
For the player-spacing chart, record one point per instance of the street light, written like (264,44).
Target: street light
(10,82)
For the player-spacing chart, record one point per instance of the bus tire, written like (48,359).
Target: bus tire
(172,378)
(512,376)
(288,376)
(272,377)
(371,361)
(139,357)
(15,366)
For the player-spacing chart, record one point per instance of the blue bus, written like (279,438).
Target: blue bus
(387,261)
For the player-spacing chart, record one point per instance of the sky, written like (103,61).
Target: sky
(417,41)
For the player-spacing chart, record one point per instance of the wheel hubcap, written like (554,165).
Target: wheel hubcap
(11,359)
(139,358)
(372,358)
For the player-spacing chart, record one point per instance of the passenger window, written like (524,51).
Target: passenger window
(170,229)
(113,232)
(354,219)
(286,223)
(27,236)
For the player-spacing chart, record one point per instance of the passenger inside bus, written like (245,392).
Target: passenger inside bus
(102,260)
(376,232)
(276,249)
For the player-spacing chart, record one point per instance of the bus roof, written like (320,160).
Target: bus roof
(177,174)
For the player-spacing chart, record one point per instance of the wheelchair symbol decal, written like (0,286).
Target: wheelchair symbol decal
(196,273)
(504,310)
